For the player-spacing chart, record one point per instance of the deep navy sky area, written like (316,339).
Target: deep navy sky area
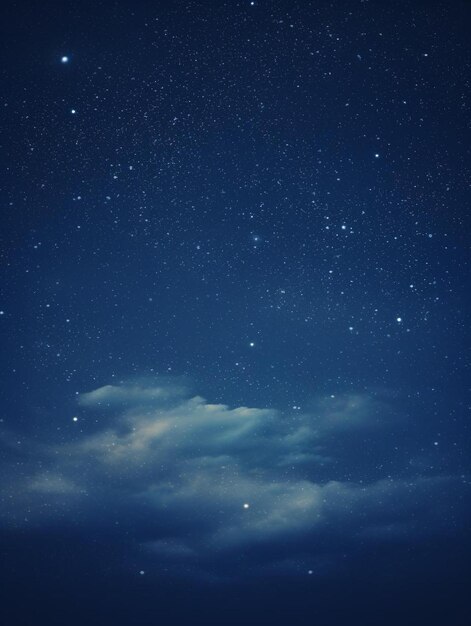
(234,313)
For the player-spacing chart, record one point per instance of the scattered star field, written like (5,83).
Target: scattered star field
(234,313)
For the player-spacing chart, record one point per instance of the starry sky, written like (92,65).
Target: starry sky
(234,312)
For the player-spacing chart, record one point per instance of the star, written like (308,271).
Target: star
(246,505)
(64,59)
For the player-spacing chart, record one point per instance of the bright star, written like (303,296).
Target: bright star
(64,59)
(246,506)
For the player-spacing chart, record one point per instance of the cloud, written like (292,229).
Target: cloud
(127,394)
(52,484)
(351,412)
(199,483)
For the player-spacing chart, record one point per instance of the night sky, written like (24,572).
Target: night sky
(234,313)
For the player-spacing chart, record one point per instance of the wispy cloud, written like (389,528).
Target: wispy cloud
(128,394)
(196,480)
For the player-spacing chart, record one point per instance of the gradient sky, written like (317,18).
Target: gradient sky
(234,313)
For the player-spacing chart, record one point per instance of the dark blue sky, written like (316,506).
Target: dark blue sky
(234,312)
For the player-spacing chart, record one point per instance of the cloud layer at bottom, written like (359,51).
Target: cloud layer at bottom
(214,492)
